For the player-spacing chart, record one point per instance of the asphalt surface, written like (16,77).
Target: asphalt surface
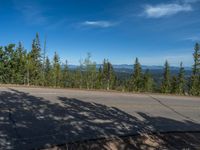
(40,117)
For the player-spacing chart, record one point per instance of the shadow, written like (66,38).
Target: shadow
(29,122)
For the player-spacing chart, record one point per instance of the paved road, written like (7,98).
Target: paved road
(38,117)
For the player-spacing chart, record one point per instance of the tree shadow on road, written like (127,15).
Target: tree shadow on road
(28,122)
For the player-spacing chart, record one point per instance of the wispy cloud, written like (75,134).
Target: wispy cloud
(163,10)
(32,12)
(192,38)
(100,24)
(58,24)
(190,1)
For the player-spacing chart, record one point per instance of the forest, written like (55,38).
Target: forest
(33,67)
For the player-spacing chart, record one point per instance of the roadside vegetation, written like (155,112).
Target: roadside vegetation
(33,67)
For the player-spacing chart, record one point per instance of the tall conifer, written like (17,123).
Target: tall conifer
(165,87)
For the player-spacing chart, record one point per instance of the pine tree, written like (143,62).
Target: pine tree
(195,77)
(43,63)
(9,64)
(198,87)
(174,85)
(147,81)
(78,78)
(165,87)
(56,70)
(36,62)
(65,75)
(99,83)
(20,59)
(137,76)
(181,80)
(196,55)
(90,72)
(48,72)
(2,65)
(108,75)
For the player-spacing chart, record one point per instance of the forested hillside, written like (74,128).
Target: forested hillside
(33,67)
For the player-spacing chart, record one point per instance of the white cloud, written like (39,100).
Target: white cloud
(57,24)
(163,10)
(101,24)
(190,1)
(193,38)
(32,12)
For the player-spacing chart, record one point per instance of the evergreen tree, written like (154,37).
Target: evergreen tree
(29,68)
(147,81)
(198,87)
(56,70)
(195,78)
(174,85)
(65,75)
(35,62)
(108,75)
(181,80)
(48,72)
(165,87)
(2,73)
(196,55)
(20,59)
(78,76)
(90,72)
(43,63)
(99,83)
(9,64)
(137,76)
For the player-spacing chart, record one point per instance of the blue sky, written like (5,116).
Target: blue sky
(120,30)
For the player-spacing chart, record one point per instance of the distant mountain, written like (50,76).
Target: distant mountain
(72,66)
(153,67)
(124,71)
(124,67)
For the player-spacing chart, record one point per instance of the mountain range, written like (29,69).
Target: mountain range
(130,67)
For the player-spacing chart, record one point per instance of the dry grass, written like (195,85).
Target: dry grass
(169,141)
